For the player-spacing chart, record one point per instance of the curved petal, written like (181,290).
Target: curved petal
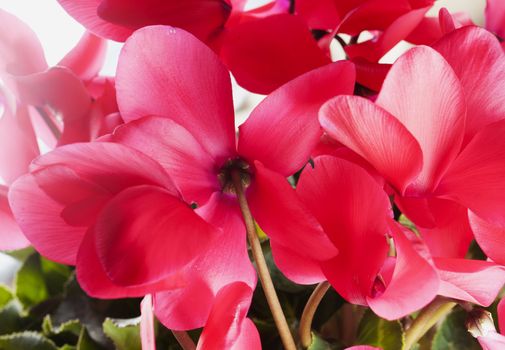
(265,53)
(188,164)
(353,210)
(495,17)
(492,341)
(479,62)
(226,320)
(18,143)
(298,268)
(20,50)
(283,217)
(476,178)
(85,12)
(145,234)
(475,281)
(11,237)
(55,204)
(404,294)
(226,262)
(422,91)
(321,14)
(95,282)
(491,238)
(87,57)
(283,129)
(371,74)
(375,135)
(156,75)
(373,50)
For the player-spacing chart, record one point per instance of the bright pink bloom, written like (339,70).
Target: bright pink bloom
(495,17)
(11,236)
(437,138)
(264,47)
(85,204)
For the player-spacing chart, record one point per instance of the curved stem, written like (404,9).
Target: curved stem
(184,340)
(426,319)
(49,122)
(309,311)
(261,265)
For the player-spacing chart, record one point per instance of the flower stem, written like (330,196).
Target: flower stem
(184,340)
(426,319)
(49,122)
(309,311)
(261,265)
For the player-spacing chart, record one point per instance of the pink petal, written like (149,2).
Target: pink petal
(352,209)
(283,130)
(476,178)
(495,17)
(475,281)
(185,160)
(48,203)
(94,281)
(85,12)
(18,144)
(492,341)
(226,262)
(225,324)
(156,75)
(422,91)
(318,14)
(501,315)
(11,237)
(145,234)
(266,53)
(249,337)
(297,267)
(373,50)
(375,135)
(405,294)
(87,57)
(371,74)
(491,237)
(20,50)
(478,60)
(147,335)
(283,217)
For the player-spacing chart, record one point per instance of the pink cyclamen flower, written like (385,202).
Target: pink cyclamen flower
(108,206)
(495,15)
(263,47)
(435,132)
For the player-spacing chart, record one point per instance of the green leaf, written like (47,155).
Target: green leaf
(453,335)
(10,318)
(408,224)
(72,326)
(124,333)
(21,254)
(31,288)
(55,275)
(381,333)
(5,295)
(85,342)
(318,343)
(26,340)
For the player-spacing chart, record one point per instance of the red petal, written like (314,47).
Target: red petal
(188,164)
(475,281)
(278,211)
(405,294)
(156,75)
(375,135)
(11,237)
(352,208)
(318,14)
(145,234)
(370,74)
(491,237)
(476,177)
(495,17)
(226,262)
(429,101)
(226,320)
(87,57)
(283,130)
(266,53)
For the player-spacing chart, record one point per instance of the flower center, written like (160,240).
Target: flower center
(238,166)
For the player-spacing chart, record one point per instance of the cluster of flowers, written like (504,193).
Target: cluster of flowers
(148,189)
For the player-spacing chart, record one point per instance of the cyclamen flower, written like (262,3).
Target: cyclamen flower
(435,134)
(254,44)
(120,210)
